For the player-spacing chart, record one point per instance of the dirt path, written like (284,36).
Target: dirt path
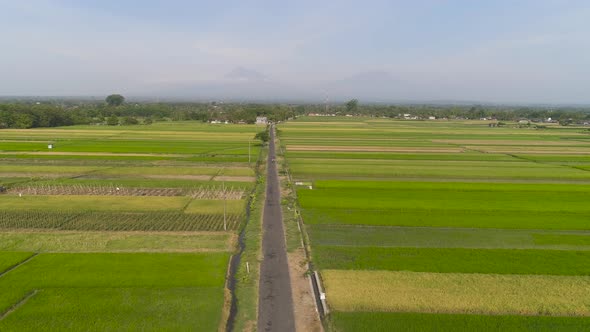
(275,310)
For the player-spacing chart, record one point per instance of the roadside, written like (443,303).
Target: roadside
(306,313)
(242,309)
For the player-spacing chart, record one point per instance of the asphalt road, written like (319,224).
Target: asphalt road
(275,305)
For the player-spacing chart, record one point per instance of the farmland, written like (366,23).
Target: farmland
(122,228)
(445,225)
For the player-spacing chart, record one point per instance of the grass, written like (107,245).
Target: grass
(455,260)
(112,242)
(117,309)
(418,322)
(457,293)
(248,279)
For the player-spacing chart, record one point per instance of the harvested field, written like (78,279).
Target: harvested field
(457,293)
(234,178)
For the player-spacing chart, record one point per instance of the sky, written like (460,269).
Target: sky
(499,51)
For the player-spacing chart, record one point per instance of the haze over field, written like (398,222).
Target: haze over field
(492,51)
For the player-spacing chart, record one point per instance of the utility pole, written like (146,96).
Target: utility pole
(249,152)
(224,207)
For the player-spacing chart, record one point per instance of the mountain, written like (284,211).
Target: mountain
(244,84)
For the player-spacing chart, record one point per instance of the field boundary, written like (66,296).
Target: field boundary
(14,267)
(235,260)
(19,304)
(315,282)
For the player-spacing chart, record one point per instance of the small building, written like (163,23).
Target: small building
(432,117)
(261,120)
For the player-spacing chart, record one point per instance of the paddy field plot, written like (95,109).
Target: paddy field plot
(121,228)
(458,293)
(445,225)
(121,288)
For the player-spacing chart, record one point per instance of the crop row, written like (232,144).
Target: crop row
(205,192)
(118,221)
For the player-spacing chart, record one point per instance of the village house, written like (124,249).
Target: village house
(261,120)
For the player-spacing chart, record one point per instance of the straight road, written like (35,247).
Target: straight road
(275,305)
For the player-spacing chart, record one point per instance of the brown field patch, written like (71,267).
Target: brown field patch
(511,142)
(469,293)
(235,178)
(178,177)
(371,149)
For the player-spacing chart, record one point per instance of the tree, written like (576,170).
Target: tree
(115,100)
(263,136)
(113,120)
(23,121)
(129,121)
(352,106)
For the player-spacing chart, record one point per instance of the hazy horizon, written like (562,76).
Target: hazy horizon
(534,52)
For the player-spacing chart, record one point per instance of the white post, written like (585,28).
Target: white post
(248,267)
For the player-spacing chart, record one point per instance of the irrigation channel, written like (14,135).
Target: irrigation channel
(275,309)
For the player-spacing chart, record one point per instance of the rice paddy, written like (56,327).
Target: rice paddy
(445,225)
(126,228)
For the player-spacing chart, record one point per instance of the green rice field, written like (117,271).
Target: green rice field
(121,228)
(427,225)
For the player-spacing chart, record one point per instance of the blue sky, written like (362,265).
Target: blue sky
(489,51)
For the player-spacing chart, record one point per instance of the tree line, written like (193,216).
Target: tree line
(115,111)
